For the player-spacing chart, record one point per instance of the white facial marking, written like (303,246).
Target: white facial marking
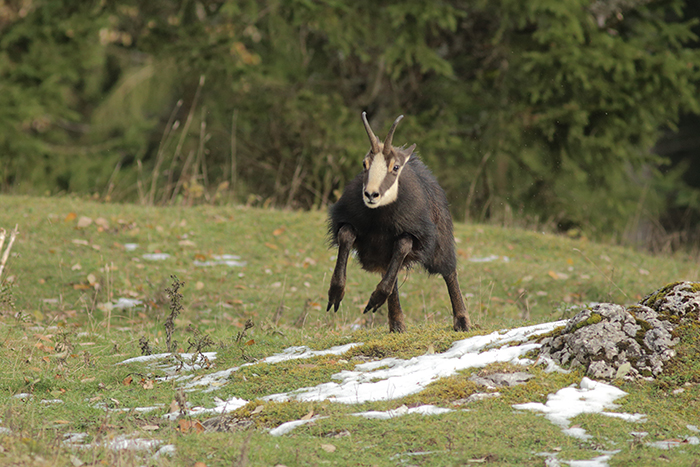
(377,173)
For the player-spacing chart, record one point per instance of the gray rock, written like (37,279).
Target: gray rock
(606,337)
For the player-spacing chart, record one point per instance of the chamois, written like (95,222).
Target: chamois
(394,214)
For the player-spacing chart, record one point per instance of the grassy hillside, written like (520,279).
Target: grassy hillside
(63,332)
(60,269)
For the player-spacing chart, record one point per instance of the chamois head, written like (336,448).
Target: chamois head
(383,165)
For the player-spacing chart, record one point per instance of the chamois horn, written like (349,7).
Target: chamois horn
(387,141)
(374,141)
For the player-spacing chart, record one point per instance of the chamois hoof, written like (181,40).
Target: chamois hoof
(461,324)
(335,296)
(397,326)
(377,299)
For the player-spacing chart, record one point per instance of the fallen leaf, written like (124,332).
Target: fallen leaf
(150,427)
(328,447)
(250,342)
(127,381)
(187,426)
(278,232)
(84,222)
(148,384)
(91,279)
(199,285)
(308,416)
(200,464)
(61,422)
(45,348)
(174,407)
(71,216)
(102,222)
(75,460)
(271,246)
(76,267)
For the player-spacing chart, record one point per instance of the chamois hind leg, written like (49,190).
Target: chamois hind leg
(396,323)
(402,247)
(336,292)
(459,311)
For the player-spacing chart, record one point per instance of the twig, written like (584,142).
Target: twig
(167,134)
(6,255)
(234,148)
(472,186)
(181,141)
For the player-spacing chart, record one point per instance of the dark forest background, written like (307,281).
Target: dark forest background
(572,115)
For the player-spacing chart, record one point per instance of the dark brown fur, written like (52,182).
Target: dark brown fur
(416,228)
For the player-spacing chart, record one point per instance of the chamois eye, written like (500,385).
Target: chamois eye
(396,168)
(364,164)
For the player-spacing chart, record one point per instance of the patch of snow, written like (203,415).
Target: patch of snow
(118,443)
(227,260)
(673,443)
(292,353)
(124,442)
(130,246)
(552,366)
(51,401)
(592,397)
(155,256)
(286,427)
(186,358)
(167,450)
(600,461)
(72,439)
(221,407)
(123,303)
(488,259)
(412,454)
(403,410)
(393,378)
(104,406)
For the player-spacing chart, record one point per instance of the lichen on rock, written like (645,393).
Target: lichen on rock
(610,341)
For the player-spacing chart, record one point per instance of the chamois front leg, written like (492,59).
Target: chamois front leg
(459,311)
(402,247)
(396,323)
(336,292)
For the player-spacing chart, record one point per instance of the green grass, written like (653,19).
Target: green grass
(60,340)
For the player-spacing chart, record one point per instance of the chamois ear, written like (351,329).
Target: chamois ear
(406,153)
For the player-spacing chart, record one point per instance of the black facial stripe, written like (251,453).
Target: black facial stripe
(387,182)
